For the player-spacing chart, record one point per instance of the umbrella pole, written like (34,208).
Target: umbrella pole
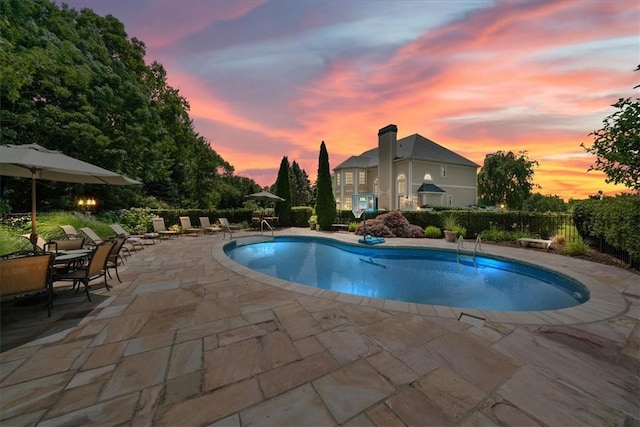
(34,236)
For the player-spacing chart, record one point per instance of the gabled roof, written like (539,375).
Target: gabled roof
(430,188)
(415,147)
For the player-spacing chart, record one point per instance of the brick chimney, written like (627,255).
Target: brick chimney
(387,151)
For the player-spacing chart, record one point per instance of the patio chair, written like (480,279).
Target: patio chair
(206,225)
(134,241)
(95,268)
(41,244)
(70,231)
(115,258)
(26,274)
(187,228)
(160,228)
(56,245)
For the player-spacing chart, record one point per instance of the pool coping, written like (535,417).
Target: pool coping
(604,303)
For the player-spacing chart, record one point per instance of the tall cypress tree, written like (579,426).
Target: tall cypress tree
(283,189)
(325,201)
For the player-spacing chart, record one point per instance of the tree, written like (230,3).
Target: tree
(325,201)
(539,203)
(300,185)
(506,178)
(72,81)
(617,145)
(283,189)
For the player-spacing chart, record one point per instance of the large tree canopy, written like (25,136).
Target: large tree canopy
(617,145)
(300,185)
(73,81)
(506,178)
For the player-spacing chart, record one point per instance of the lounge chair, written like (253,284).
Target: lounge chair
(134,241)
(92,235)
(95,268)
(160,228)
(207,227)
(70,231)
(187,228)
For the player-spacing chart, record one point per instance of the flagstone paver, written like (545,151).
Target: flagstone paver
(136,372)
(298,407)
(352,389)
(189,338)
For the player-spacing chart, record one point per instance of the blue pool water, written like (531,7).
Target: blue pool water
(418,275)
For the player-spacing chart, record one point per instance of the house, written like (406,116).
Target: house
(410,173)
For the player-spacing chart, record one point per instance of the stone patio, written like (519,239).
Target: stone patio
(191,339)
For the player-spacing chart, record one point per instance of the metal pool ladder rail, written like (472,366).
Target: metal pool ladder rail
(262,224)
(478,245)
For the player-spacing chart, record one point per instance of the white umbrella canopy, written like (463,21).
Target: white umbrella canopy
(265,196)
(36,162)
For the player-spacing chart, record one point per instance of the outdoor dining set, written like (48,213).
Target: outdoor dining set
(70,260)
(83,256)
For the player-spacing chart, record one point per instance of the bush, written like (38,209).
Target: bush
(576,247)
(432,232)
(133,220)
(614,219)
(460,230)
(375,228)
(300,216)
(391,224)
(494,234)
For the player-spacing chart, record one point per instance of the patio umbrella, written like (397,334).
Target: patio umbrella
(265,196)
(36,162)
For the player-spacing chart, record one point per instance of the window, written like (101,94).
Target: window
(375,187)
(347,203)
(362,178)
(401,182)
(338,179)
(348,178)
(443,171)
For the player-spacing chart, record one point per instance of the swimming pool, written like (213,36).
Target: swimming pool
(419,275)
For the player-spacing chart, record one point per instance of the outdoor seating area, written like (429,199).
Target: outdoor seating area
(198,350)
(267,215)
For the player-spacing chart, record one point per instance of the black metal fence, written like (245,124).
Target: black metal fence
(536,224)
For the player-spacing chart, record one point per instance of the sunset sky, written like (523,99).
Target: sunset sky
(267,79)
